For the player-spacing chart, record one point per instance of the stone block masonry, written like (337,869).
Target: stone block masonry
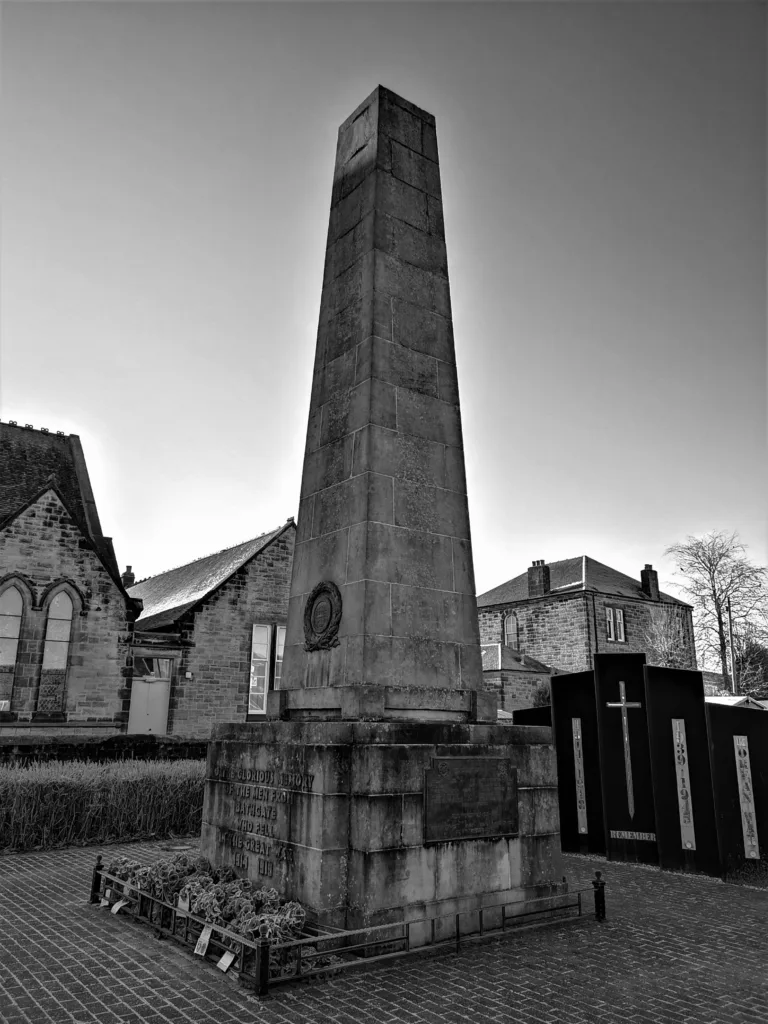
(334,797)
(565,631)
(383,512)
(220,659)
(40,550)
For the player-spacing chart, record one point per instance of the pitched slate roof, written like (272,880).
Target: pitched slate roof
(170,594)
(737,701)
(497,657)
(31,461)
(570,575)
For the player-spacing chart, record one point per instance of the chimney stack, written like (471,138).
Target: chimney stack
(649,581)
(128,578)
(538,579)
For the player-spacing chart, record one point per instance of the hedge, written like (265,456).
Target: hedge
(45,805)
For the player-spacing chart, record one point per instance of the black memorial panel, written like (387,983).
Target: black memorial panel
(533,716)
(740,778)
(625,761)
(686,832)
(578,763)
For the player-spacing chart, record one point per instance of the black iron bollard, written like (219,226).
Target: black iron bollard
(96,881)
(599,887)
(262,984)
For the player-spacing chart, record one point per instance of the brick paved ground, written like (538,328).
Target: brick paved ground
(674,949)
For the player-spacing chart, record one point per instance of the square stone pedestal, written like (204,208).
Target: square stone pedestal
(363,823)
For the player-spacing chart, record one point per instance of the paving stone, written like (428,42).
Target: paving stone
(674,949)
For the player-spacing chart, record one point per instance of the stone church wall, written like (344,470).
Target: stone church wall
(220,660)
(39,550)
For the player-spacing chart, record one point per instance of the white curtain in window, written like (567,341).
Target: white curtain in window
(280,647)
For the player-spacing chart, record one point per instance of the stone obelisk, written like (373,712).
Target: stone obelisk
(383,590)
(380,787)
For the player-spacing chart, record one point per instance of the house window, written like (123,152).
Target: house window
(11,607)
(152,668)
(614,621)
(267,645)
(510,631)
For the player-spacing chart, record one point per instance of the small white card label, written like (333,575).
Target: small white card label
(746,798)
(107,894)
(202,942)
(119,905)
(226,960)
(182,906)
(687,834)
(578,766)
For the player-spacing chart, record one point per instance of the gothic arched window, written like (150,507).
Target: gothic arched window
(511,638)
(11,608)
(58,632)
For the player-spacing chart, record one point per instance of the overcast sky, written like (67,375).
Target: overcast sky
(165,193)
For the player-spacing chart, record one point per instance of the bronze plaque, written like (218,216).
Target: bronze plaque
(470,798)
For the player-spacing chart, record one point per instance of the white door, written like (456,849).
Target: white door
(149,695)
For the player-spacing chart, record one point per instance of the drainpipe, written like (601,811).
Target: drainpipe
(594,620)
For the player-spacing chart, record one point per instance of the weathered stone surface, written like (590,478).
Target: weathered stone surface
(415,170)
(332,813)
(428,417)
(399,366)
(422,329)
(384,443)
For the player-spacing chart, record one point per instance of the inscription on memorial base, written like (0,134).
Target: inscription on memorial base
(470,798)
(644,837)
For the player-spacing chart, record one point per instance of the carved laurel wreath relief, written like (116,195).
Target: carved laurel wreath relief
(322,616)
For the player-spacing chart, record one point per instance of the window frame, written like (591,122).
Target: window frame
(616,632)
(12,669)
(7,615)
(511,618)
(274,632)
(77,609)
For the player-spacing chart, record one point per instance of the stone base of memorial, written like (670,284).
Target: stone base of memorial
(373,822)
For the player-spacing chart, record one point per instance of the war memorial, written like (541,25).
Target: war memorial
(648,771)
(380,787)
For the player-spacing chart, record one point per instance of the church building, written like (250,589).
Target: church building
(65,615)
(564,613)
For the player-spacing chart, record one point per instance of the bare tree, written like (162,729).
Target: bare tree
(664,641)
(715,570)
(542,696)
(752,664)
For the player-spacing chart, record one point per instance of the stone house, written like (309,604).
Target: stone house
(563,613)
(65,615)
(514,677)
(209,642)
